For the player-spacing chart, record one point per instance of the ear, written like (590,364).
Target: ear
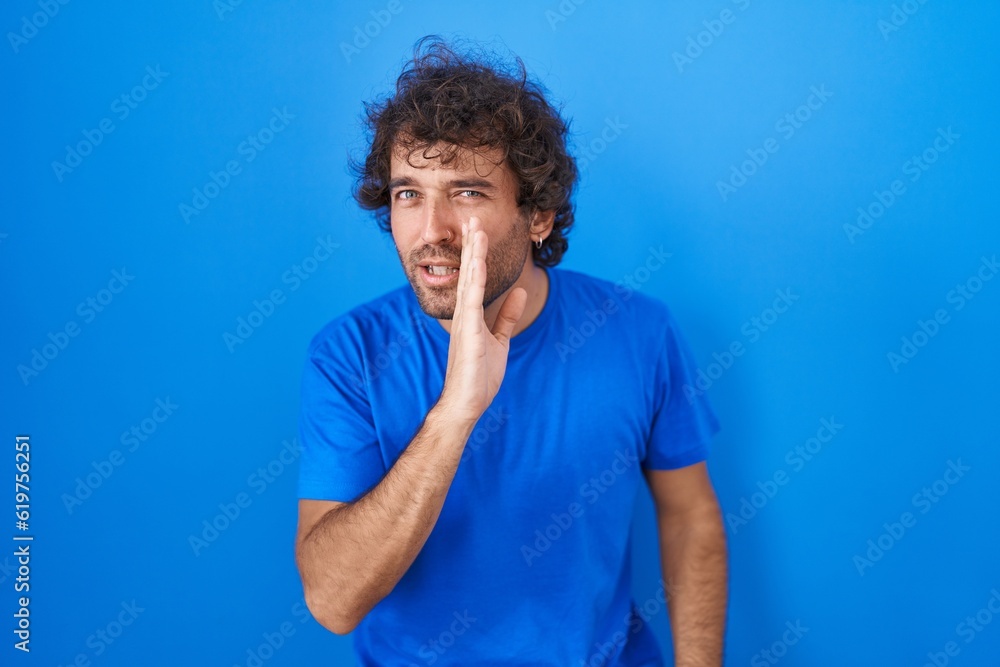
(542,222)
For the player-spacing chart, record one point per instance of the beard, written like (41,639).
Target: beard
(505,260)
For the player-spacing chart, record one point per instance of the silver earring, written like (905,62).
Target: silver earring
(538,243)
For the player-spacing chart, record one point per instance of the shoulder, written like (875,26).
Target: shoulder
(636,309)
(350,332)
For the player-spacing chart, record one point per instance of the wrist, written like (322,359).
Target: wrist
(451,421)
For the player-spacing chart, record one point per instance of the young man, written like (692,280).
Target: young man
(473,443)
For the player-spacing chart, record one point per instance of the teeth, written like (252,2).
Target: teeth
(441,270)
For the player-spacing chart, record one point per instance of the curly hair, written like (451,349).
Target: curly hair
(472,101)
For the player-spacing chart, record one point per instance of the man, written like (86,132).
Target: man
(473,443)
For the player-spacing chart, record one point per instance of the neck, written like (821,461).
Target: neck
(535,282)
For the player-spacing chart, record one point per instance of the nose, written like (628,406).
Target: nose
(439,223)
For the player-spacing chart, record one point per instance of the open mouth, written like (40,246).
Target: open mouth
(435,275)
(440,270)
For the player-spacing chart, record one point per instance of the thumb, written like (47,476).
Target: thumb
(510,313)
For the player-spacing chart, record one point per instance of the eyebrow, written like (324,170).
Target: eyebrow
(476,183)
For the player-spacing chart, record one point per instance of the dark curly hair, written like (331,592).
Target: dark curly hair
(473,101)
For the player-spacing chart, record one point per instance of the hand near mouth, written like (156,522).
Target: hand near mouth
(477,355)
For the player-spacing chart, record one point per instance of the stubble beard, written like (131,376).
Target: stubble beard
(504,264)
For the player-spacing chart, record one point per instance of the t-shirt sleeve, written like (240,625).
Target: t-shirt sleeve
(341,457)
(684,421)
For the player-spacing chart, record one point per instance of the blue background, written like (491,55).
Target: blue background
(687,124)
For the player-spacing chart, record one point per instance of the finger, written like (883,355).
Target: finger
(510,312)
(467,269)
(475,290)
(467,246)
(460,286)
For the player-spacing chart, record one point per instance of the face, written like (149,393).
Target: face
(429,203)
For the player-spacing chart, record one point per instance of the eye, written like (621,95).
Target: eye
(473,193)
(404,194)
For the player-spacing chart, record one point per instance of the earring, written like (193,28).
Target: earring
(538,243)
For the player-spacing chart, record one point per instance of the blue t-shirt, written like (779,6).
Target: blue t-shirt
(529,562)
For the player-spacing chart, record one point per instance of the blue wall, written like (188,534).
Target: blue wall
(746,137)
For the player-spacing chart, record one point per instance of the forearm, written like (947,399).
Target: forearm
(359,551)
(693,552)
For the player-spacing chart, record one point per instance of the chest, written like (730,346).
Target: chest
(561,423)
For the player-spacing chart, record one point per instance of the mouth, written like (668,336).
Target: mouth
(438,275)
(440,270)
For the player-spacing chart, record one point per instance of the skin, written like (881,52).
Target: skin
(430,202)
(693,562)
(351,555)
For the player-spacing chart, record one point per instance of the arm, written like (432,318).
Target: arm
(351,555)
(693,558)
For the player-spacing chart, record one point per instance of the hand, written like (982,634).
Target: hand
(477,356)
